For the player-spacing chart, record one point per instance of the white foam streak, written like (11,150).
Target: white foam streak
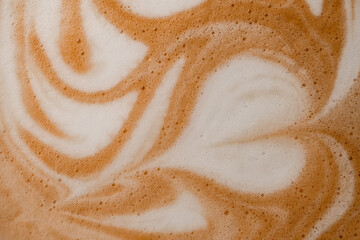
(10,93)
(349,66)
(10,89)
(8,62)
(114,54)
(256,167)
(160,8)
(149,126)
(182,216)
(143,137)
(345,197)
(239,104)
(247,98)
(89,127)
(315,6)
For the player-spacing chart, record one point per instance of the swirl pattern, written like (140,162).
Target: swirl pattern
(185,119)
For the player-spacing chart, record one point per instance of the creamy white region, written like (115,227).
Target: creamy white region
(219,142)
(349,65)
(315,6)
(89,127)
(346,189)
(244,99)
(184,215)
(141,140)
(114,54)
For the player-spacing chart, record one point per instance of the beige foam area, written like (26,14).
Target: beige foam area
(179,119)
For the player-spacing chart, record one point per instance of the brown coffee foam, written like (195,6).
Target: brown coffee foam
(189,86)
(73,43)
(28,95)
(313,44)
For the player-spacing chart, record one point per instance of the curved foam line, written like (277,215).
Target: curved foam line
(144,135)
(184,215)
(347,185)
(349,66)
(114,54)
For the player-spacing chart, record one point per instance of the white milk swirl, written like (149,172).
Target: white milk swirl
(182,119)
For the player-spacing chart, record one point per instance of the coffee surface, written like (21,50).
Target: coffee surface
(179,119)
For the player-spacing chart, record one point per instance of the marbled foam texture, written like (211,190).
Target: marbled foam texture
(179,119)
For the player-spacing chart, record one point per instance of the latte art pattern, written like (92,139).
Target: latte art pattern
(202,119)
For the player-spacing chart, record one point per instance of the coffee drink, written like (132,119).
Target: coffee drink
(179,119)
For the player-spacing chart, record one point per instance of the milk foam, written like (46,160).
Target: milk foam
(88,127)
(186,119)
(143,137)
(114,54)
(245,99)
(344,198)
(349,65)
(315,6)
(184,215)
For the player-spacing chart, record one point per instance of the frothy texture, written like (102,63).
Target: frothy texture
(179,119)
